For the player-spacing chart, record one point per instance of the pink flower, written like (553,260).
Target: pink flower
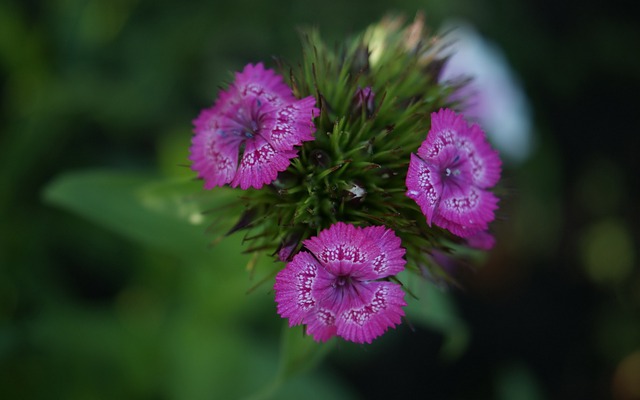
(450,176)
(249,134)
(338,286)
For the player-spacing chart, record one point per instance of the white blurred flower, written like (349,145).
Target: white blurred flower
(494,96)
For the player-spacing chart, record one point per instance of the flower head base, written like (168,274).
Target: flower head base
(337,288)
(450,176)
(249,134)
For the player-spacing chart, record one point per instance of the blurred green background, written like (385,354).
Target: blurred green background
(106,293)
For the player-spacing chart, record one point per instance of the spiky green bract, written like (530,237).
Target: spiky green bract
(355,169)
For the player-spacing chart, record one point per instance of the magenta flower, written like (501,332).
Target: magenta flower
(250,133)
(338,287)
(450,175)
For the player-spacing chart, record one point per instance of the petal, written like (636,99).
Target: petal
(385,253)
(213,152)
(293,124)
(361,253)
(213,162)
(210,118)
(463,231)
(424,186)
(466,210)
(256,81)
(293,288)
(260,164)
(447,119)
(379,308)
(321,324)
(446,128)
(340,248)
(457,229)
(482,240)
(484,161)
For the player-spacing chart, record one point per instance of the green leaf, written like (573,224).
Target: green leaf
(298,354)
(163,213)
(435,310)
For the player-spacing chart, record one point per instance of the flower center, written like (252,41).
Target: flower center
(245,122)
(453,169)
(248,121)
(449,172)
(250,129)
(343,281)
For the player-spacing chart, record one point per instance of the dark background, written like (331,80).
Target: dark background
(554,313)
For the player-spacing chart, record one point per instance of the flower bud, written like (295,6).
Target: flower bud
(364,97)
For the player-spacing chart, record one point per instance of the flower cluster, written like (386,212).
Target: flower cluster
(354,170)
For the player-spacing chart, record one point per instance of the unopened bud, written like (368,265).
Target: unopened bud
(246,220)
(289,245)
(364,97)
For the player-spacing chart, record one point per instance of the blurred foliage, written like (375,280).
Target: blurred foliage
(147,309)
